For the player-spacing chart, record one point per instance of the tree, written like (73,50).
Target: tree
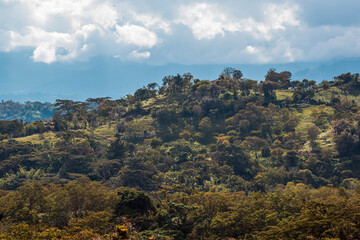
(346,78)
(237,74)
(246,85)
(205,125)
(272,76)
(235,157)
(11,128)
(291,159)
(132,203)
(325,84)
(255,143)
(69,106)
(313,133)
(155,142)
(177,85)
(268,88)
(97,101)
(347,137)
(152,86)
(117,149)
(285,78)
(105,169)
(228,72)
(144,94)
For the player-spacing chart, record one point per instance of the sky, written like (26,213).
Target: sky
(68,38)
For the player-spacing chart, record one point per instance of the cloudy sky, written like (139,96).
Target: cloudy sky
(191,32)
(159,32)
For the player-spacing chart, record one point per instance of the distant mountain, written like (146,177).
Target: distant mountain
(22,80)
(36,96)
(329,70)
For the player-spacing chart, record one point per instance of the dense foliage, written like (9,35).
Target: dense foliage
(191,159)
(28,112)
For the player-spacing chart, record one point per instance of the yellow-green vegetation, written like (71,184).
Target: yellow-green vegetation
(284,94)
(139,128)
(82,209)
(103,132)
(192,159)
(38,138)
(326,96)
(307,116)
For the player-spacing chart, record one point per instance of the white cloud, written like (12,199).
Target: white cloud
(188,31)
(46,44)
(77,13)
(142,55)
(205,20)
(208,20)
(137,35)
(277,17)
(345,44)
(250,49)
(45,53)
(66,30)
(152,21)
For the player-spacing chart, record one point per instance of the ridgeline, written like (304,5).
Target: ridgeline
(231,158)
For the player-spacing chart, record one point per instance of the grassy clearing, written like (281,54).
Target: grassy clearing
(283,94)
(334,92)
(150,102)
(100,133)
(306,117)
(140,127)
(38,138)
(326,138)
(105,131)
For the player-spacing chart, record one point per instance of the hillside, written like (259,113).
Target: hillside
(28,112)
(191,159)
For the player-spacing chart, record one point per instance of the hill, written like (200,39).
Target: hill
(28,112)
(191,159)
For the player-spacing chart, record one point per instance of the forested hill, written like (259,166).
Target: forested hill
(28,112)
(231,158)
